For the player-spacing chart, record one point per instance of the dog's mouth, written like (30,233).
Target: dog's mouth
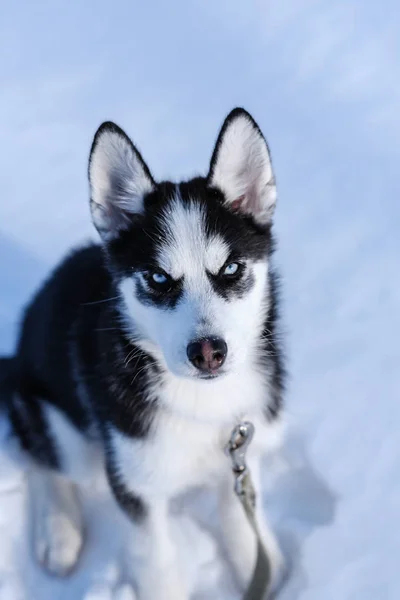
(211,376)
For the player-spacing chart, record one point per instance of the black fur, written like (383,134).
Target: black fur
(128,501)
(273,351)
(76,313)
(136,247)
(7,379)
(72,342)
(74,320)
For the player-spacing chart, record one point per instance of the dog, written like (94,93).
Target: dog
(149,347)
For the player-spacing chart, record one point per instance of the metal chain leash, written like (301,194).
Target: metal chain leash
(237,447)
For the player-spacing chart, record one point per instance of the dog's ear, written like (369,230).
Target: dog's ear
(119,180)
(241,168)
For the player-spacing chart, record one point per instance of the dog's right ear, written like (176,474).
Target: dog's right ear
(119,180)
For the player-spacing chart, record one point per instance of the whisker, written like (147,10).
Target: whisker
(133,354)
(151,364)
(153,239)
(100,301)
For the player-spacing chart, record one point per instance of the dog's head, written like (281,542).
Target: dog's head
(190,260)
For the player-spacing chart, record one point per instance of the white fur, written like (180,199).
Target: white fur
(56,520)
(159,574)
(181,453)
(243,169)
(185,444)
(118,183)
(81,459)
(189,253)
(186,247)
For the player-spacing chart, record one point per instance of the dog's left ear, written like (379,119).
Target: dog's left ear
(241,168)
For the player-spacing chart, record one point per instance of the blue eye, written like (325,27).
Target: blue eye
(231,269)
(159,278)
(158,281)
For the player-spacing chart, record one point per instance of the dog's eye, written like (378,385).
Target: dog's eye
(159,278)
(158,281)
(232,270)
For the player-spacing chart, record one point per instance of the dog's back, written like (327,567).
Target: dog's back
(42,369)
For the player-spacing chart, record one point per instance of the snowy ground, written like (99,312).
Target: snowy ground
(322,78)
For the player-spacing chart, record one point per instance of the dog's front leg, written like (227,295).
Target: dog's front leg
(158,574)
(238,536)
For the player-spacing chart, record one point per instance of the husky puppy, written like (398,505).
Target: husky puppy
(148,348)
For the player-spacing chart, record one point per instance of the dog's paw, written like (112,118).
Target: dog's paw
(57,544)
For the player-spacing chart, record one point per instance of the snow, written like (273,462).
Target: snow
(322,78)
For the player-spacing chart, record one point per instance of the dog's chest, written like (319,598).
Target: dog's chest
(180,454)
(189,453)
(185,445)
(176,455)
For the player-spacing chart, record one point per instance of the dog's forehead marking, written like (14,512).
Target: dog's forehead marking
(187,249)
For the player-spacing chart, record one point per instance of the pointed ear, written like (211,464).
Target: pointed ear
(241,168)
(119,180)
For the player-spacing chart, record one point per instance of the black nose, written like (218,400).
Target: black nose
(208,354)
